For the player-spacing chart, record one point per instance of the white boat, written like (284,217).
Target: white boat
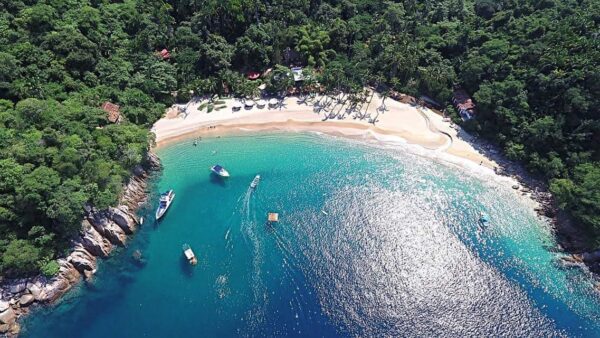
(255,182)
(189,254)
(219,170)
(165,202)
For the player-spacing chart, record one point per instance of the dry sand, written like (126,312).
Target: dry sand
(415,125)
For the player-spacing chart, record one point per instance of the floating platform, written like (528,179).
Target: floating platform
(273,217)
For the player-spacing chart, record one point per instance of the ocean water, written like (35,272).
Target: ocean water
(372,242)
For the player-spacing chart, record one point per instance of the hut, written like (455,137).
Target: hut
(113,114)
(273,103)
(164,54)
(252,75)
(297,73)
(464,104)
(249,104)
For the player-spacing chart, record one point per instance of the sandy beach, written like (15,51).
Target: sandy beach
(415,125)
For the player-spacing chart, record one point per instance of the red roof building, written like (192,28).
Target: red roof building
(253,75)
(113,114)
(164,54)
(464,104)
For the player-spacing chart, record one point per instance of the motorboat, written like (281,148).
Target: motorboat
(164,203)
(219,170)
(255,182)
(189,254)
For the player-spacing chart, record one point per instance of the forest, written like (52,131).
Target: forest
(530,65)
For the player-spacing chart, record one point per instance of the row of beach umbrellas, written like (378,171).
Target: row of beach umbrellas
(249,104)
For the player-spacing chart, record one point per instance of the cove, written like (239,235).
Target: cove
(372,241)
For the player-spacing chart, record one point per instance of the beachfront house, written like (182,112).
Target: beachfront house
(464,104)
(113,115)
(297,73)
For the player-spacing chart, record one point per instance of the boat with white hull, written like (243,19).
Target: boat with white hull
(164,203)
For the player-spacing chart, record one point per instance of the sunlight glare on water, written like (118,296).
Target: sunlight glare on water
(372,242)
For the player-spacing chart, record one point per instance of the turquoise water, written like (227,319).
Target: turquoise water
(371,242)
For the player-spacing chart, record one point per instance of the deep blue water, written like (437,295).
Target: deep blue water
(372,242)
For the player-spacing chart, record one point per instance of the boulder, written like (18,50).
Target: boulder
(66,278)
(115,234)
(26,299)
(4,328)
(8,316)
(4,305)
(18,287)
(123,219)
(38,292)
(108,228)
(82,260)
(93,241)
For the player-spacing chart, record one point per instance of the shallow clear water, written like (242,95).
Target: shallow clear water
(371,242)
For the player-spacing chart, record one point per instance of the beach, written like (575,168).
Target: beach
(397,122)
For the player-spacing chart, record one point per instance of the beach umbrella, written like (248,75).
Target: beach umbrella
(249,103)
(261,103)
(273,102)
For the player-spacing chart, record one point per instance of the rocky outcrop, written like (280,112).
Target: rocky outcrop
(26,299)
(123,218)
(82,260)
(107,228)
(100,231)
(94,242)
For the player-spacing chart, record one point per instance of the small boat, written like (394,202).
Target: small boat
(189,254)
(165,202)
(142,220)
(219,170)
(255,182)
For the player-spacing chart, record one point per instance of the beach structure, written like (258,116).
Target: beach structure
(113,113)
(464,104)
(189,254)
(297,73)
(273,103)
(237,105)
(260,104)
(249,104)
(273,217)
(252,75)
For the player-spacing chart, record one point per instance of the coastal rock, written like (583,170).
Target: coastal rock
(18,287)
(93,241)
(82,260)
(26,299)
(66,278)
(8,316)
(115,234)
(123,219)
(38,292)
(107,228)
(4,305)
(591,256)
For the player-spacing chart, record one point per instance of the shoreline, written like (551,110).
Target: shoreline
(101,232)
(398,123)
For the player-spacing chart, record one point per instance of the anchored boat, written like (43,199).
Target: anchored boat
(219,170)
(189,254)
(255,182)
(165,202)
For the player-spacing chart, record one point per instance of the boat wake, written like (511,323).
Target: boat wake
(248,229)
